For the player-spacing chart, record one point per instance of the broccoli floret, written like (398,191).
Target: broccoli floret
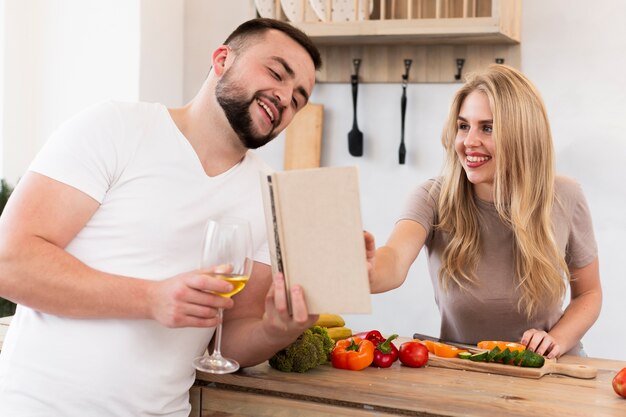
(327,343)
(310,349)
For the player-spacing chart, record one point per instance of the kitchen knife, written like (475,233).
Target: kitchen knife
(471,348)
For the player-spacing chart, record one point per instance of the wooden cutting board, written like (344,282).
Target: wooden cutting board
(303,138)
(551,366)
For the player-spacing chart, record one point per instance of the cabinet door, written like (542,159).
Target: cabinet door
(223,402)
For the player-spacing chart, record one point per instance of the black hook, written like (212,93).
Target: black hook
(357,63)
(459,68)
(499,60)
(407,67)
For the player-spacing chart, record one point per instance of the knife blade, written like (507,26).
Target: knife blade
(471,348)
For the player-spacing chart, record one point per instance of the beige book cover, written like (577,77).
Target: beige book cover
(315,236)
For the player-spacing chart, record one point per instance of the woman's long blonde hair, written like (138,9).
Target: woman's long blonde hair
(523,190)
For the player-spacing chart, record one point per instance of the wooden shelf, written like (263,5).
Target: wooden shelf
(432,33)
(413,32)
(431,63)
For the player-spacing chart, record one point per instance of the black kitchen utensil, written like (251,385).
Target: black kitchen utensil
(405,82)
(355,136)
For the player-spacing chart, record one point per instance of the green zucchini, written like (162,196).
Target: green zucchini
(531,359)
(524,358)
(513,357)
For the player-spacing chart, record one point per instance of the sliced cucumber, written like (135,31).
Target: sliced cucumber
(493,353)
(464,355)
(506,356)
(479,357)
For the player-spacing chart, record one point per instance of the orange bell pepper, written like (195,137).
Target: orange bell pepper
(446,351)
(430,345)
(490,344)
(353,353)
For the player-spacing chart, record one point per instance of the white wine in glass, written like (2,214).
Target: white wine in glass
(228,249)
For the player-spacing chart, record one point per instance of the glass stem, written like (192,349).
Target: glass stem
(218,336)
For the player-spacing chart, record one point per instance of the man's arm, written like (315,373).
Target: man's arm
(259,324)
(41,218)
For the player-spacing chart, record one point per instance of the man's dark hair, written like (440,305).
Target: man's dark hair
(238,40)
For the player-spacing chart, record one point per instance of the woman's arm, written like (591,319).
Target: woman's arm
(259,324)
(582,311)
(390,264)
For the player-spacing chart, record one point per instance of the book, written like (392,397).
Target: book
(315,236)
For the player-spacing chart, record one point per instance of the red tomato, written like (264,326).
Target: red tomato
(619,383)
(413,354)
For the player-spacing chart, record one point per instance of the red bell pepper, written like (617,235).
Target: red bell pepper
(352,353)
(373,336)
(386,353)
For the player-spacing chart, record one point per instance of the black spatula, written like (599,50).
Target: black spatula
(405,81)
(355,136)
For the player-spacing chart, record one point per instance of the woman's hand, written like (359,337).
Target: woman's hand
(542,343)
(370,249)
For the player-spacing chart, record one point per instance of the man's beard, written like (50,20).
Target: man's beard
(236,106)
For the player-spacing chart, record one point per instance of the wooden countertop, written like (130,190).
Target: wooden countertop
(429,391)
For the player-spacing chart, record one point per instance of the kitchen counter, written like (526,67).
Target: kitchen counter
(429,391)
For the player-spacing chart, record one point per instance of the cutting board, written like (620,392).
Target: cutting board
(551,366)
(303,138)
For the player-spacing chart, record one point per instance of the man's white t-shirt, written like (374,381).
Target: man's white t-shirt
(155,201)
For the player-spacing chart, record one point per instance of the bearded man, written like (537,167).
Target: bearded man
(101,240)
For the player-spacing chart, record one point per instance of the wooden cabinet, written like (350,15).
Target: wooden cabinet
(434,34)
(227,402)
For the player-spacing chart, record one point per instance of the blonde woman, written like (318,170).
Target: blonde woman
(504,235)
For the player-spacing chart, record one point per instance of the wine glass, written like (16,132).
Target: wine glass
(228,249)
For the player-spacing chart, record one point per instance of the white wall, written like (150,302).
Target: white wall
(161,51)
(66,54)
(60,57)
(207,24)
